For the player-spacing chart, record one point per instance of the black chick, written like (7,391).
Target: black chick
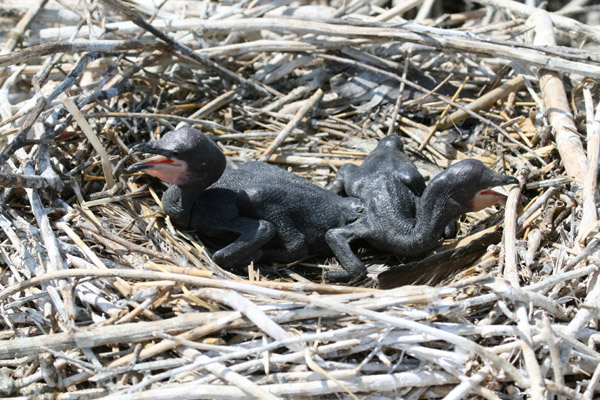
(264,212)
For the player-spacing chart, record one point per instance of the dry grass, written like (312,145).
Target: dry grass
(102,297)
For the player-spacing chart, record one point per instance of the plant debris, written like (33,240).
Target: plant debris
(102,297)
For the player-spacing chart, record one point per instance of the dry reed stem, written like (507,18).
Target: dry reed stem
(557,106)
(101,296)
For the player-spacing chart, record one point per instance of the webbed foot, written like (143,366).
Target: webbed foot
(341,275)
(338,240)
(254,234)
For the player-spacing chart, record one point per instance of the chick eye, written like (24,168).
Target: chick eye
(175,153)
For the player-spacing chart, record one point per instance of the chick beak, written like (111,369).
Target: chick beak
(490,197)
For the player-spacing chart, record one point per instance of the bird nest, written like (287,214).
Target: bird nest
(101,296)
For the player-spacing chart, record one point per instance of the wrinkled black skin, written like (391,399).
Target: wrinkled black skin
(401,215)
(269,213)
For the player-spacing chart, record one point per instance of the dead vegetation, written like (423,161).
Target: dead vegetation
(102,297)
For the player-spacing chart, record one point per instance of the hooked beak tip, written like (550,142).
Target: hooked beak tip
(502,180)
(511,179)
(139,148)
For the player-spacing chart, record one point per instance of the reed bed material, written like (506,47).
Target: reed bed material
(102,297)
